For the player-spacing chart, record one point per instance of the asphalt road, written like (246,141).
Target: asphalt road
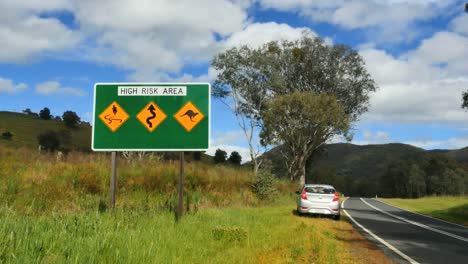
(406,236)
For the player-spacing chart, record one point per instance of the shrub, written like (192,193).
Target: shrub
(220,156)
(49,140)
(235,158)
(263,186)
(45,114)
(71,119)
(7,135)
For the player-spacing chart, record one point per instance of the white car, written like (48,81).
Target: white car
(319,199)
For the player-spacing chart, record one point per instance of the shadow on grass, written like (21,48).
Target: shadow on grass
(457,214)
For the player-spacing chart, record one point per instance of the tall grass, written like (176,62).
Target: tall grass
(55,212)
(33,182)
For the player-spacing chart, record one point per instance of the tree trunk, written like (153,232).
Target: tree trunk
(298,169)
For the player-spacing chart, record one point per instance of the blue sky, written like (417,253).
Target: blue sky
(53,51)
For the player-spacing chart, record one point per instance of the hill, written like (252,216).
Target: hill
(353,160)
(26,128)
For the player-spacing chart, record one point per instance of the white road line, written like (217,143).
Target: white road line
(385,243)
(416,223)
(447,222)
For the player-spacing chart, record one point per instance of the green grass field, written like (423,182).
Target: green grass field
(55,211)
(449,208)
(25,130)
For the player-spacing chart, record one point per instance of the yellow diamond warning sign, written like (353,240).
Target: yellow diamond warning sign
(189,116)
(151,116)
(114,116)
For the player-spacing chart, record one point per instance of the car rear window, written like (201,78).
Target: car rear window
(321,190)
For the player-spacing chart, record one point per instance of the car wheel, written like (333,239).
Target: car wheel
(336,217)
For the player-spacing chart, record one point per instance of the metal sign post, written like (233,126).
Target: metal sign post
(180,206)
(113,180)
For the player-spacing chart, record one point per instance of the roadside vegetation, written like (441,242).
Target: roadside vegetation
(449,208)
(54,210)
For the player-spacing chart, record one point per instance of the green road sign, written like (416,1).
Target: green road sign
(151,117)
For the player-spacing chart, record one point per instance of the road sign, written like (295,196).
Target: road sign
(151,117)
(113,116)
(189,116)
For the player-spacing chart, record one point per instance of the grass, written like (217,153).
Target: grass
(55,211)
(449,208)
(25,130)
(232,235)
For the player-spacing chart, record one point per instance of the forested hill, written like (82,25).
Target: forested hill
(392,170)
(353,160)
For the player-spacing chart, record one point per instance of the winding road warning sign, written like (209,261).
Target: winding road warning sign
(114,116)
(151,116)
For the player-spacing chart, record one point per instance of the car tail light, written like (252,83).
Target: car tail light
(303,195)
(337,197)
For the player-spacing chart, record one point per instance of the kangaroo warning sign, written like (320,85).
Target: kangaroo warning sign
(151,117)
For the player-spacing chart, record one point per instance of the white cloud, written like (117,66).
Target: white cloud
(7,86)
(424,85)
(451,143)
(393,20)
(155,38)
(52,87)
(228,137)
(24,34)
(256,34)
(460,24)
(369,137)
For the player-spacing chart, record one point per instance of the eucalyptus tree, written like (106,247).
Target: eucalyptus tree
(253,77)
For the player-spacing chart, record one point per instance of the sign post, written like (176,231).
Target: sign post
(113,180)
(180,206)
(151,117)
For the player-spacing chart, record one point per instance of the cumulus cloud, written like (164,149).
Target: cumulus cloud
(460,24)
(450,143)
(423,85)
(256,34)
(7,86)
(24,34)
(393,20)
(53,88)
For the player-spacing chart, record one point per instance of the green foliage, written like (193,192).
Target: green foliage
(235,158)
(220,156)
(196,155)
(45,114)
(389,170)
(264,186)
(229,234)
(302,122)
(49,140)
(7,135)
(71,119)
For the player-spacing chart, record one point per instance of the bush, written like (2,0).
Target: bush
(49,140)
(263,186)
(45,114)
(235,158)
(220,156)
(196,155)
(7,135)
(71,119)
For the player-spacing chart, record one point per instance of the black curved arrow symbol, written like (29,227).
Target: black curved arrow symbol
(152,111)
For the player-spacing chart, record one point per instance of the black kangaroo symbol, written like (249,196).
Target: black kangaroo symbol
(190,114)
